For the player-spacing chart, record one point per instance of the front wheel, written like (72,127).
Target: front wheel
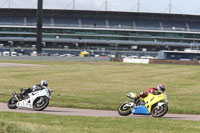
(40,103)
(12,103)
(125,108)
(159,112)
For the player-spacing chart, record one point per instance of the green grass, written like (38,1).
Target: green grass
(11,128)
(38,123)
(103,85)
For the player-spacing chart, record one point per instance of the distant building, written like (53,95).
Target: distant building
(100,30)
(179,55)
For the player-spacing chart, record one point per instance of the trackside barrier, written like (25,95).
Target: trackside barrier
(191,62)
(143,61)
(117,59)
(157,61)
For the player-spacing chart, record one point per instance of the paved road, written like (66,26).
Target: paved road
(57,58)
(17,65)
(92,113)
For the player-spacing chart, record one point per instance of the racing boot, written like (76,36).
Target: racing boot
(136,99)
(22,90)
(24,93)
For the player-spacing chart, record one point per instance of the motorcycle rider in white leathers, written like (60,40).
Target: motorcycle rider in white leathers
(36,87)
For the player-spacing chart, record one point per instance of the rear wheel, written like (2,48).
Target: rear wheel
(40,103)
(12,103)
(159,112)
(125,110)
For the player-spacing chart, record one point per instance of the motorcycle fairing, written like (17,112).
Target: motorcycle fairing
(141,110)
(24,103)
(152,99)
(28,103)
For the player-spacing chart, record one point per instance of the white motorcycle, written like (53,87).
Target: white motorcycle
(37,100)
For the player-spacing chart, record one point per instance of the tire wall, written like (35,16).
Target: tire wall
(156,61)
(192,62)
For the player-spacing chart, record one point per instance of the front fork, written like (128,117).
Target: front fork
(159,107)
(15,95)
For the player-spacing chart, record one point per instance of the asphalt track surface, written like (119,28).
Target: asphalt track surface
(52,58)
(92,113)
(17,65)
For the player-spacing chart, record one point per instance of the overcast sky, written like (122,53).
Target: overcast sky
(158,6)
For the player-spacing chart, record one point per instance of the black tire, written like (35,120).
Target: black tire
(40,103)
(161,113)
(124,111)
(12,103)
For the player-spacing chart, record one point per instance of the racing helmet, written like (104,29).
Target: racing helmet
(44,83)
(161,87)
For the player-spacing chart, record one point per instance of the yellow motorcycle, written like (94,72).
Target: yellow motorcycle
(155,105)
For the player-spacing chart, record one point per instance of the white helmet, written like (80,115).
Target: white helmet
(44,83)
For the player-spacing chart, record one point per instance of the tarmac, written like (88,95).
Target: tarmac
(93,113)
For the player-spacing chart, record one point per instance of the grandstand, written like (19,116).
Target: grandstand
(107,31)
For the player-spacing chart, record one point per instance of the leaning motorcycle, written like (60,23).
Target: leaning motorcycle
(155,105)
(37,100)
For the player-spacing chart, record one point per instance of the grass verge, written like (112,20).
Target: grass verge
(38,123)
(103,85)
(11,128)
